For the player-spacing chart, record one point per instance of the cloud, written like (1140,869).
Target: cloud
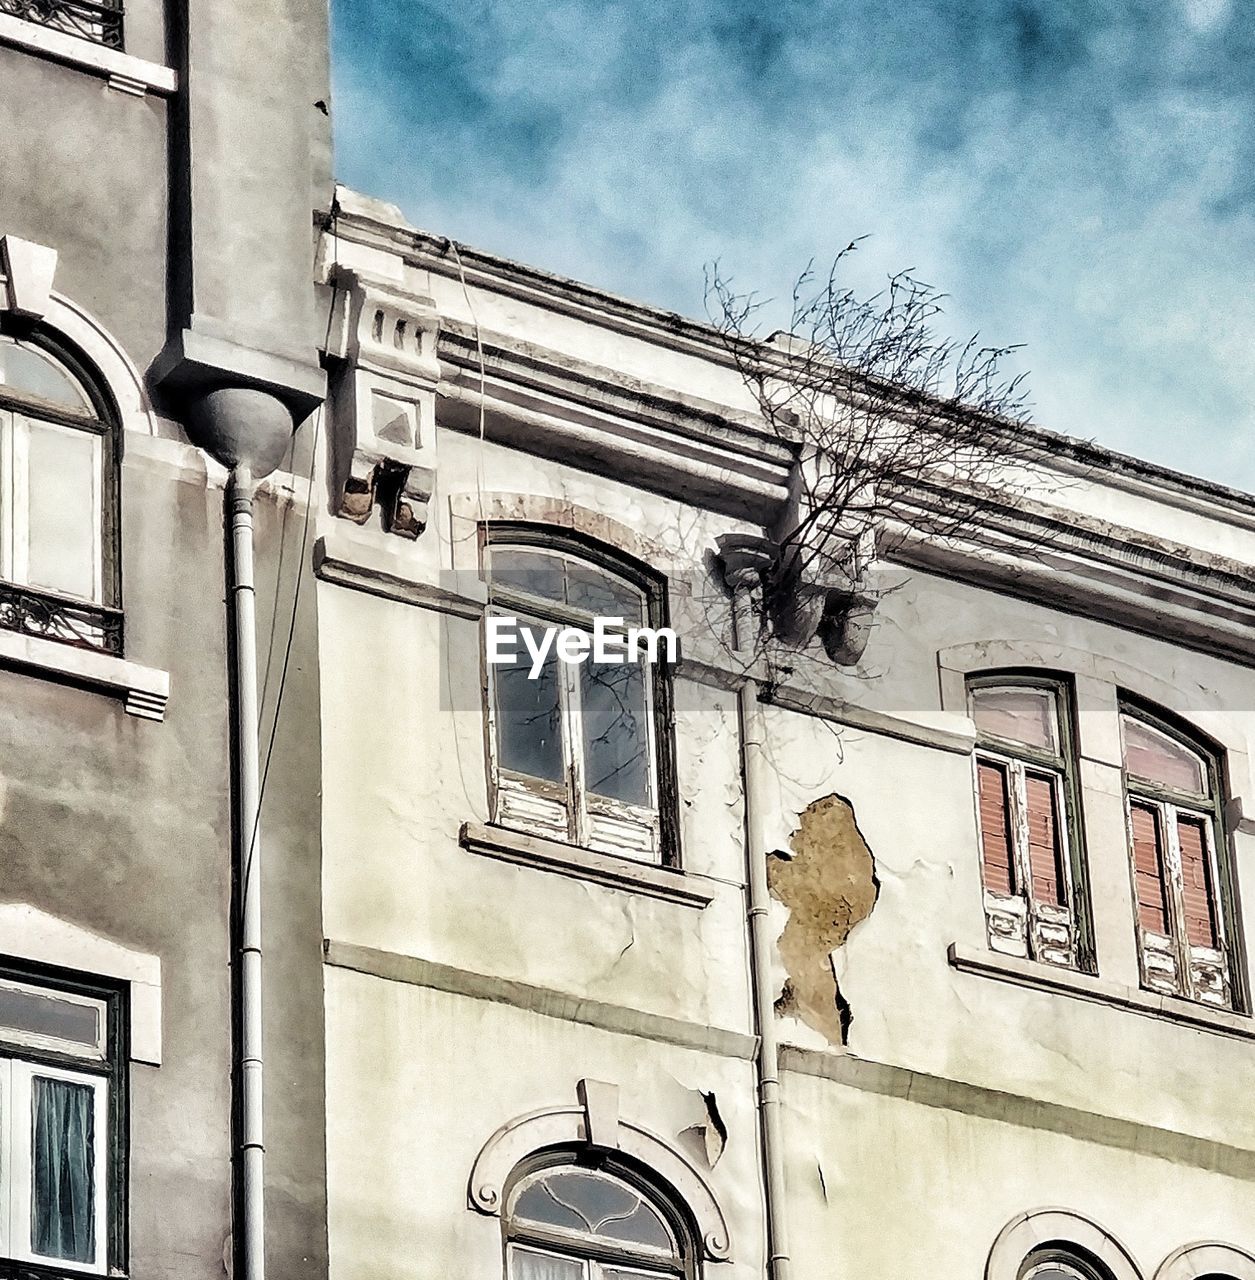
(1078,178)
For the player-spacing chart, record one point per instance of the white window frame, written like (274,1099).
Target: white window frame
(58,1044)
(17,1161)
(567,810)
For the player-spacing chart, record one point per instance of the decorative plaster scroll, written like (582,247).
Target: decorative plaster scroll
(29,269)
(384,442)
(1207,1261)
(570,1127)
(1045,1227)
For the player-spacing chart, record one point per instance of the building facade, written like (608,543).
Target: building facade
(919,944)
(158,170)
(1004,834)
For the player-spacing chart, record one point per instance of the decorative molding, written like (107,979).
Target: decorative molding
(1074,1123)
(1208,1260)
(380,573)
(107,355)
(960,740)
(1046,1227)
(668,883)
(572,1127)
(144,691)
(585,416)
(29,270)
(391,966)
(1080,564)
(1059,981)
(135,74)
(384,442)
(26,933)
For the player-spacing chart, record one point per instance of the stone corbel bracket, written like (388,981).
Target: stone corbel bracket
(833,595)
(384,437)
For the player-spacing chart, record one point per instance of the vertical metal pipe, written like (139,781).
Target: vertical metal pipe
(250,1153)
(754,768)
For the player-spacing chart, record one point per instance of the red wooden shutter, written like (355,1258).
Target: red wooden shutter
(1148,871)
(995,828)
(1196,885)
(1044,853)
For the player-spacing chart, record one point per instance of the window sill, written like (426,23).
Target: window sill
(1044,977)
(583,864)
(122,70)
(143,690)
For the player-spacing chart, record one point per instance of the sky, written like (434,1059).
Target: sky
(1078,176)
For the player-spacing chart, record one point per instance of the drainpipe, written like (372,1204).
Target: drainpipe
(745,559)
(250,1145)
(248,430)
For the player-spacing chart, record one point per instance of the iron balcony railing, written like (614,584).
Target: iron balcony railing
(96,20)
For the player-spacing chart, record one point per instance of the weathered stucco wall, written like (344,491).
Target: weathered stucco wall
(925,1107)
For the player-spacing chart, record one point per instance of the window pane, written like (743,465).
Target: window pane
(617,744)
(64,520)
(1153,755)
(529,720)
(536,572)
(995,828)
(603,595)
(538,1203)
(32,372)
(45,1013)
(1023,715)
(63,1194)
(527,1264)
(1148,868)
(1045,855)
(1196,883)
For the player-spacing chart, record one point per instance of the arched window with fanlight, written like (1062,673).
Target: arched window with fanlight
(58,496)
(580,750)
(571,1221)
(1027,803)
(1180,872)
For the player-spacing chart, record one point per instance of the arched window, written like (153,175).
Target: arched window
(572,1221)
(1027,807)
(578,716)
(1176,842)
(58,497)
(1061,1262)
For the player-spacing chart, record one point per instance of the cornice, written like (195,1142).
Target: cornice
(381,226)
(590,417)
(1091,567)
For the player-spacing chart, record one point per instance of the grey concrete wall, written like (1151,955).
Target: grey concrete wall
(258,145)
(85,170)
(120,826)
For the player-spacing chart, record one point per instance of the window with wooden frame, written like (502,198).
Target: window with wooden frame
(59,576)
(580,752)
(62,1124)
(1032,860)
(1177,852)
(583,1221)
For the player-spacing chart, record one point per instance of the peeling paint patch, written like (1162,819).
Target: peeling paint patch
(829,885)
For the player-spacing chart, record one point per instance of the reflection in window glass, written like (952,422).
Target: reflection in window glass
(31,372)
(64,469)
(43,1013)
(1153,755)
(1022,715)
(529,721)
(616,731)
